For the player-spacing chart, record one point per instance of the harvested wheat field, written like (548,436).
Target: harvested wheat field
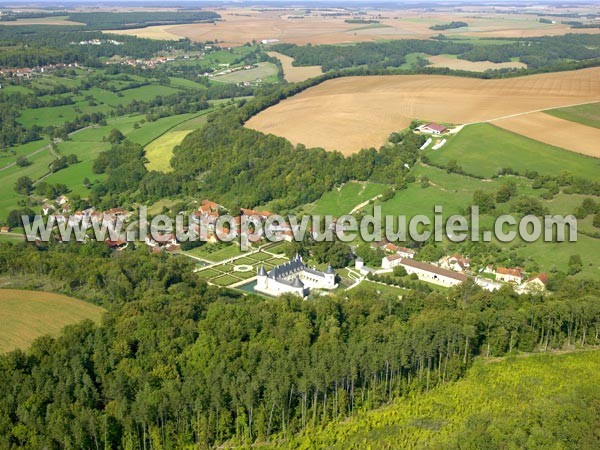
(348,114)
(454,63)
(292,73)
(27,315)
(555,131)
(158,32)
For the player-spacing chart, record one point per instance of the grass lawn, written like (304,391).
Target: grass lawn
(217,255)
(584,114)
(341,201)
(225,280)
(27,315)
(381,289)
(483,149)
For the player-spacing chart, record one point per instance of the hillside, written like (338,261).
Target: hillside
(542,401)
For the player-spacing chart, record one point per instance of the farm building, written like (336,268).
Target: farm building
(432,128)
(294,277)
(432,274)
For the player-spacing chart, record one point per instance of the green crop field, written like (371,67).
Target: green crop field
(27,315)
(483,149)
(538,401)
(584,114)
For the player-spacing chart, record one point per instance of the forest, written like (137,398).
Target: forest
(140,19)
(176,363)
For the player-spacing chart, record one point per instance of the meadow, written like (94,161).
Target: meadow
(344,199)
(27,315)
(266,72)
(484,149)
(351,113)
(584,114)
(528,401)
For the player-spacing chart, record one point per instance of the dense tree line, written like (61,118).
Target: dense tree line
(540,53)
(178,364)
(139,19)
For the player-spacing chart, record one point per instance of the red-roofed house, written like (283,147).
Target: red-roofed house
(432,128)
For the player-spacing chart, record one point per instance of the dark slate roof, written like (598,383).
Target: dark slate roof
(262,272)
(330,270)
(298,282)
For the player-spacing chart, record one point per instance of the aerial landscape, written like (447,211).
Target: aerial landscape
(305,225)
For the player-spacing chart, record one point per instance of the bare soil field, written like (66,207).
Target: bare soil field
(555,131)
(241,25)
(478,66)
(292,73)
(27,315)
(348,114)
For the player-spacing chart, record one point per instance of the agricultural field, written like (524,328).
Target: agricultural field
(160,151)
(241,25)
(528,401)
(584,114)
(351,113)
(27,315)
(293,73)
(555,131)
(484,149)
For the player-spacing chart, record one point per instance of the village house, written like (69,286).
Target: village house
(536,284)
(509,275)
(5,229)
(391,261)
(294,277)
(455,262)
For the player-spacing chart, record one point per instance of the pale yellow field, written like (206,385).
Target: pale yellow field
(292,73)
(27,315)
(158,32)
(41,21)
(555,131)
(478,66)
(160,151)
(348,114)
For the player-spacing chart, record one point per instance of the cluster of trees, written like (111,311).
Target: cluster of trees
(229,158)
(449,26)
(176,364)
(544,53)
